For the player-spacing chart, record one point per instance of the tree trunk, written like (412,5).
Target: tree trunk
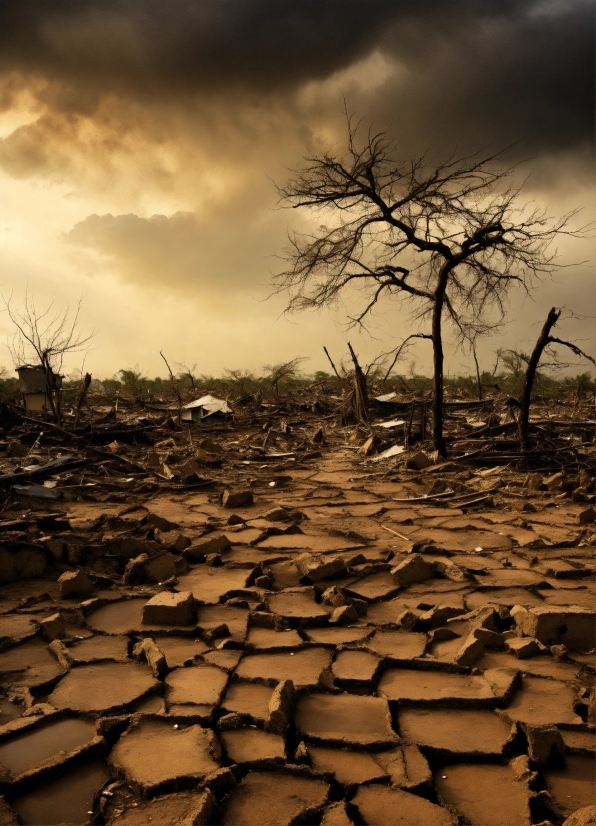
(360,389)
(478,375)
(82,396)
(542,342)
(437,339)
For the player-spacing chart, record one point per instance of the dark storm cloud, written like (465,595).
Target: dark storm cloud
(483,69)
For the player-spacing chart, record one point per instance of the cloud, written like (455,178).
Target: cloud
(139,137)
(459,73)
(213,258)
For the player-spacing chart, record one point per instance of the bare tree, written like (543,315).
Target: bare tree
(545,339)
(284,371)
(175,388)
(44,338)
(188,372)
(450,238)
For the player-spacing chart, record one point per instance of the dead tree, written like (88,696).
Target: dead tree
(175,388)
(544,340)
(360,390)
(42,339)
(82,397)
(449,238)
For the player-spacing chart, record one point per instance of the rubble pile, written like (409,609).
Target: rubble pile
(266,620)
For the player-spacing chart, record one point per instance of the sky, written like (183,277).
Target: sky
(141,143)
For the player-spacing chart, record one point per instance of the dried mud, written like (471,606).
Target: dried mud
(363,643)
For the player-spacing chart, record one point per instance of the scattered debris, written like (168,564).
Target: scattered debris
(234,628)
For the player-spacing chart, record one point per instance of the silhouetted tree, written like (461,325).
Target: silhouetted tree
(451,239)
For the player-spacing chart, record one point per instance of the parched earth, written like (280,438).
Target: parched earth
(339,650)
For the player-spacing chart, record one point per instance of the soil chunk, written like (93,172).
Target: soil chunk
(465,731)
(303,668)
(251,699)
(348,767)
(274,800)
(154,757)
(250,745)
(435,687)
(184,809)
(102,688)
(169,609)
(345,719)
(200,685)
(486,795)
(385,806)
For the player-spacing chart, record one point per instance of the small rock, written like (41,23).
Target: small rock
(553,482)
(523,647)
(408,620)
(75,584)
(413,569)
(213,560)
(60,652)
(587,516)
(263,619)
(419,461)
(264,581)
(277,515)
(169,609)
(144,568)
(344,615)
(451,571)
(318,566)
(234,519)
(17,450)
(434,617)
(488,618)
(160,522)
(582,817)
(219,632)
(334,596)
(237,499)
(230,722)
(148,651)
(520,766)
(280,707)
(301,754)
(489,639)
(211,545)
(204,457)
(559,652)
(229,643)
(38,710)
(53,627)
(173,540)
(470,652)
(545,746)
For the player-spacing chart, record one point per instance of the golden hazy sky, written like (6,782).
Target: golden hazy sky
(140,139)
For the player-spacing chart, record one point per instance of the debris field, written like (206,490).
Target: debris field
(286,619)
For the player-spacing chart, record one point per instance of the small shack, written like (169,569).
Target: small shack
(208,409)
(35,385)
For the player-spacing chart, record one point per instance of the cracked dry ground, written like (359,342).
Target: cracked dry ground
(343,658)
